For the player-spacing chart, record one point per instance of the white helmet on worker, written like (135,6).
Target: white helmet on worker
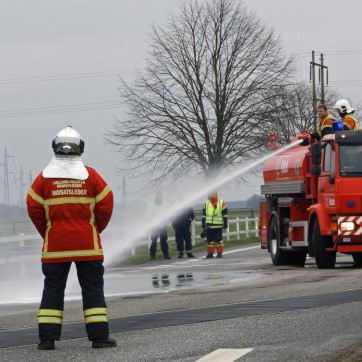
(344,106)
(68,141)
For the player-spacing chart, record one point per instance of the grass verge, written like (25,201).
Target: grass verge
(142,254)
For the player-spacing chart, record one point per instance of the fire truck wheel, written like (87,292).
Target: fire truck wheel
(278,256)
(324,259)
(357,258)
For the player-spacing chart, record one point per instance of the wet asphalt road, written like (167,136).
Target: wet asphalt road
(182,310)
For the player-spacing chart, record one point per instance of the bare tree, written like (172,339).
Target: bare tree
(290,109)
(197,105)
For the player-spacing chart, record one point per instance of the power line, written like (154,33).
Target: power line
(59,109)
(66,106)
(50,78)
(333,52)
(357,81)
(342,52)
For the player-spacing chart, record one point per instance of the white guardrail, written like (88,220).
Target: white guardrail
(251,227)
(17,246)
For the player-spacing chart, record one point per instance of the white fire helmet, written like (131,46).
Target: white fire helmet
(344,106)
(68,141)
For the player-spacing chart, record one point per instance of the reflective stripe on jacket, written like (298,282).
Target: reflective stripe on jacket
(70,214)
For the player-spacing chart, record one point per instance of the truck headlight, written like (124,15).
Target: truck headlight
(347,226)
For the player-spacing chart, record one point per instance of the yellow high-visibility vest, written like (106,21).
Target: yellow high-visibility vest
(214,214)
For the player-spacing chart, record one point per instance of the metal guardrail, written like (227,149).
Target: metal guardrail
(16,227)
(19,238)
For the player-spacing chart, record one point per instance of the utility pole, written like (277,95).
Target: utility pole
(30,179)
(124,190)
(6,178)
(321,73)
(312,76)
(321,69)
(22,184)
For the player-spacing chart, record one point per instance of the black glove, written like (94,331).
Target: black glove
(305,137)
(315,135)
(225,226)
(305,141)
(204,233)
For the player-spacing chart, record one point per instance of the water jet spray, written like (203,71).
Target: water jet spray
(134,233)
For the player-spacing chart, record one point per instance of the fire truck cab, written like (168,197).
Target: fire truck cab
(313,201)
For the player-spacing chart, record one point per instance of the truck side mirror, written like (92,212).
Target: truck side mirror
(316,153)
(315,170)
(332,177)
(316,158)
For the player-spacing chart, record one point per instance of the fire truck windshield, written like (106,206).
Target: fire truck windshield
(350,160)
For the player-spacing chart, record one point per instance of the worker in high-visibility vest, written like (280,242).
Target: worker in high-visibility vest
(345,111)
(214,219)
(70,205)
(325,122)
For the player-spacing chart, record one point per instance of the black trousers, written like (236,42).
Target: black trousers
(162,233)
(214,235)
(183,234)
(90,277)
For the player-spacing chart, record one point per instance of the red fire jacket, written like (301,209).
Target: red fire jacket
(70,214)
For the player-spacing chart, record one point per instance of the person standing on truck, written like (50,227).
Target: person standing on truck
(214,219)
(345,111)
(325,123)
(70,205)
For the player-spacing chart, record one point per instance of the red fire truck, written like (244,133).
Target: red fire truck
(313,201)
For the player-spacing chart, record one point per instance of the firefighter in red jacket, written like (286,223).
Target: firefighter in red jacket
(70,205)
(214,219)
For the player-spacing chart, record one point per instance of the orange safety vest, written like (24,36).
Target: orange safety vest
(70,214)
(350,122)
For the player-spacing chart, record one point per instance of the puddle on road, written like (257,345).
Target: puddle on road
(26,283)
(165,282)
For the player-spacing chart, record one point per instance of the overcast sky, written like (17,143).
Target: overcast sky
(60,59)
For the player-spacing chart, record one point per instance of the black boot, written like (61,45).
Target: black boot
(180,255)
(47,344)
(190,255)
(219,255)
(209,256)
(104,343)
(167,256)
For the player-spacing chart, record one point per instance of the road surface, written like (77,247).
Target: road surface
(238,308)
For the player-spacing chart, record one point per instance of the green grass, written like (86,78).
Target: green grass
(142,254)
